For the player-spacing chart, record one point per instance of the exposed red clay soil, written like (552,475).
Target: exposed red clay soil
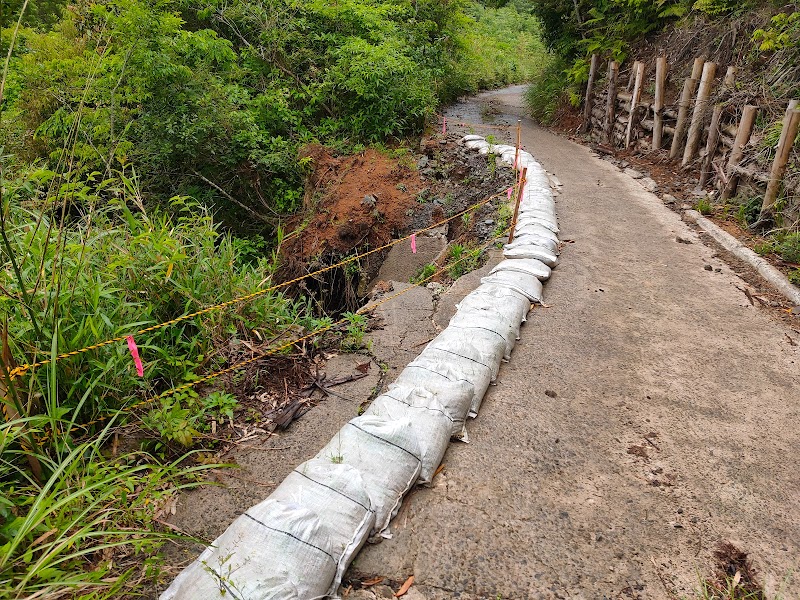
(364,198)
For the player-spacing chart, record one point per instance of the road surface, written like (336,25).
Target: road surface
(648,414)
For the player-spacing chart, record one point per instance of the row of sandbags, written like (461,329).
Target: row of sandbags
(298,543)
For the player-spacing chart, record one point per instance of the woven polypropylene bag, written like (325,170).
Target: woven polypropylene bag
(513,305)
(428,418)
(478,346)
(337,493)
(523,237)
(531,250)
(387,454)
(529,266)
(522,229)
(452,393)
(527,219)
(268,553)
(459,369)
(525,284)
(476,321)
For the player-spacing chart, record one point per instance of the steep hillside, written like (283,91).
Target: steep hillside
(716,60)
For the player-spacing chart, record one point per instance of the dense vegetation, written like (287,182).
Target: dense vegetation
(148,156)
(761,38)
(611,28)
(211,99)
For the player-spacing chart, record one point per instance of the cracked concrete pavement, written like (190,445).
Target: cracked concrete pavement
(647,415)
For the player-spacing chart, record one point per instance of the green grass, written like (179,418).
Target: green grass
(788,246)
(81,523)
(704,206)
(424,273)
(462,259)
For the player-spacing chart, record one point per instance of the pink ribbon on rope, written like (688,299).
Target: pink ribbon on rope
(135,354)
(413,243)
(510,191)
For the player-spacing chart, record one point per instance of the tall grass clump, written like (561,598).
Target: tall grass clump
(82,524)
(75,275)
(547,91)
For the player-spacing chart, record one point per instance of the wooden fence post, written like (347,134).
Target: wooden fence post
(791,123)
(611,102)
(658,106)
(743,133)
(637,93)
(711,145)
(588,103)
(730,78)
(699,115)
(520,188)
(683,108)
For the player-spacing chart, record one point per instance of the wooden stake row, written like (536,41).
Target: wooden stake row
(693,107)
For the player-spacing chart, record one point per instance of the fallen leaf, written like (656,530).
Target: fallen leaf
(363,367)
(439,470)
(43,537)
(371,582)
(405,587)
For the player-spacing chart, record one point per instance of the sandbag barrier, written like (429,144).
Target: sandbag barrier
(298,542)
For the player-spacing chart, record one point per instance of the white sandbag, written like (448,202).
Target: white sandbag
(336,493)
(484,150)
(481,347)
(536,203)
(462,369)
(534,229)
(274,551)
(503,149)
(451,392)
(508,156)
(508,302)
(530,266)
(520,282)
(387,455)
(528,219)
(524,239)
(540,211)
(478,305)
(489,321)
(531,251)
(539,218)
(472,138)
(539,189)
(428,418)
(479,145)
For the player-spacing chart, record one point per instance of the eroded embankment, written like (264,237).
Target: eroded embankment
(317,519)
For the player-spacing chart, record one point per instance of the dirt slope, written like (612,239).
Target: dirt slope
(648,415)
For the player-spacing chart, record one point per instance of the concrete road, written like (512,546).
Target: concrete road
(649,413)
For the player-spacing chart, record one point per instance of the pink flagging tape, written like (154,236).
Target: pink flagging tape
(444,125)
(413,243)
(510,191)
(135,354)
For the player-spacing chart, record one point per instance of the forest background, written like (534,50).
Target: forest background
(149,160)
(150,157)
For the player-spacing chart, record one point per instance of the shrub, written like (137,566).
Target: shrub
(704,206)
(547,91)
(115,270)
(748,211)
(788,247)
